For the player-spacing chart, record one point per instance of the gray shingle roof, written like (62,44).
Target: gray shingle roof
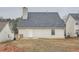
(42,19)
(2,25)
(75,15)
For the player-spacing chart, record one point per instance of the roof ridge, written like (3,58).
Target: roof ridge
(42,12)
(73,13)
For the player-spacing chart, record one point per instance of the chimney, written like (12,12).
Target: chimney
(25,12)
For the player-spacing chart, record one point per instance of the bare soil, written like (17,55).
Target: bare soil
(41,45)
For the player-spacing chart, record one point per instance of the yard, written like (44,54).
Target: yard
(41,45)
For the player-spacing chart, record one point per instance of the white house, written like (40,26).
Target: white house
(72,25)
(5,31)
(40,25)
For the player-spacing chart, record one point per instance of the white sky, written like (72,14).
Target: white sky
(14,12)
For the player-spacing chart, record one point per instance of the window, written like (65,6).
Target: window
(21,35)
(77,24)
(8,35)
(53,32)
(77,31)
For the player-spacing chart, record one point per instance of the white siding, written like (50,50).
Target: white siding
(76,26)
(70,24)
(59,33)
(41,33)
(25,32)
(5,33)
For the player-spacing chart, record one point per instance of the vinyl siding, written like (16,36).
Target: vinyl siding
(41,33)
(5,33)
(70,26)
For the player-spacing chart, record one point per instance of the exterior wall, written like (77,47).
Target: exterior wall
(41,33)
(6,34)
(70,27)
(59,33)
(77,26)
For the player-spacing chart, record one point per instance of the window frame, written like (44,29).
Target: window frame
(53,32)
(8,35)
(77,23)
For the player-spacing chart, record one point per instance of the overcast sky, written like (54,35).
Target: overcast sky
(14,12)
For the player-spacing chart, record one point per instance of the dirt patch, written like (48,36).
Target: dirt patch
(9,48)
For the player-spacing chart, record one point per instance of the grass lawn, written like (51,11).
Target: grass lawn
(43,45)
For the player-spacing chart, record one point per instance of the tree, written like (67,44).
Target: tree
(8,19)
(14,23)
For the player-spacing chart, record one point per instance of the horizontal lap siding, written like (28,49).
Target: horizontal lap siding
(5,33)
(35,32)
(4,37)
(59,33)
(25,32)
(70,27)
(41,33)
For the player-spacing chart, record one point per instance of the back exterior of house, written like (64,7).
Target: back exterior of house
(72,25)
(41,25)
(5,32)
